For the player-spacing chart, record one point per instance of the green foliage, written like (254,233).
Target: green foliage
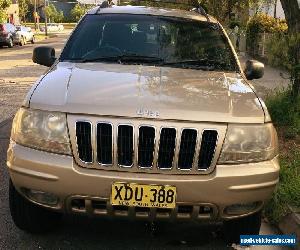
(264,23)
(284,111)
(288,189)
(284,52)
(260,23)
(54,14)
(3,5)
(23,8)
(285,114)
(222,9)
(78,11)
(161,4)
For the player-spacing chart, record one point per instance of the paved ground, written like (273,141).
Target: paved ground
(17,73)
(273,79)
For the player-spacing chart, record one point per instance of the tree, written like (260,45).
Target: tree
(78,11)
(292,14)
(291,10)
(23,8)
(3,5)
(53,14)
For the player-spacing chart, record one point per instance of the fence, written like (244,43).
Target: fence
(258,47)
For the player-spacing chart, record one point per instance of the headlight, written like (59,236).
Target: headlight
(249,143)
(41,130)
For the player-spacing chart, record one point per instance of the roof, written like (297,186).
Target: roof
(94,2)
(142,10)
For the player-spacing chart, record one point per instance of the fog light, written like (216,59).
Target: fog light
(237,209)
(42,197)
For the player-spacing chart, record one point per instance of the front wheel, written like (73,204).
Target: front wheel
(22,41)
(10,43)
(249,225)
(28,216)
(33,40)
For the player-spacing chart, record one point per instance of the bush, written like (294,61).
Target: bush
(260,23)
(285,111)
(78,11)
(288,189)
(161,4)
(53,14)
(3,5)
(281,50)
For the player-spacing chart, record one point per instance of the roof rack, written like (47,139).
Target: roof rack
(105,4)
(199,9)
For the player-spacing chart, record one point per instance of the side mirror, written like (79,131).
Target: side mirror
(44,55)
(29,29)
(254,69)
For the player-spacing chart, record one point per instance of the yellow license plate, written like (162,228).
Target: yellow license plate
(137,195)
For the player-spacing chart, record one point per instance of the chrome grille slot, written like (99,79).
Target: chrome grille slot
(104,143)
(125,145)
(146,145)
(167,145)
(187,149)
(84,144)
(207,150)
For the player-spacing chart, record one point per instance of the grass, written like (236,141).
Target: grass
(285,114)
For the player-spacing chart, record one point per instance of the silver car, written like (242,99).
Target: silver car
(23,35)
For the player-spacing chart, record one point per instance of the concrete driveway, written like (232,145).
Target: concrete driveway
(17,74)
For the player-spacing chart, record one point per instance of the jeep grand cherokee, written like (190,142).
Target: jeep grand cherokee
(145,114)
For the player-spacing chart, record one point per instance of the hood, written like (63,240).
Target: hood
(148,91)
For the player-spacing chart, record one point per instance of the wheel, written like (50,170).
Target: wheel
(29,216)
(33,40)
(10,43)
(249,225)
(22,41)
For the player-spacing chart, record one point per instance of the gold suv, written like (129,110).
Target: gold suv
(145,114)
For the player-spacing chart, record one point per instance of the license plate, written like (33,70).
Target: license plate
(137,195)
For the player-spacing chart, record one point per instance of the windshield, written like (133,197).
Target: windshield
(154,40)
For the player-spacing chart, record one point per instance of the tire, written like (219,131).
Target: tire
(22,41)
(32,40)
(10,43)
(30,217)
(250,225)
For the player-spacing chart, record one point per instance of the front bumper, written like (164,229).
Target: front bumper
(17,39)
(88,190)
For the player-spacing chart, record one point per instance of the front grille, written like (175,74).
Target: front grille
(167,145)
(104,143)
(146,146)
(187,148)
(207,150)
(84,144)
(159,148)
(125,145)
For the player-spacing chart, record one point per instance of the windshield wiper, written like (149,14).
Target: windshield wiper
(124,58)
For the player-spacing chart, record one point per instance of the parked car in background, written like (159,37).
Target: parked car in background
(7,33)
(53,27)
(24,35)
